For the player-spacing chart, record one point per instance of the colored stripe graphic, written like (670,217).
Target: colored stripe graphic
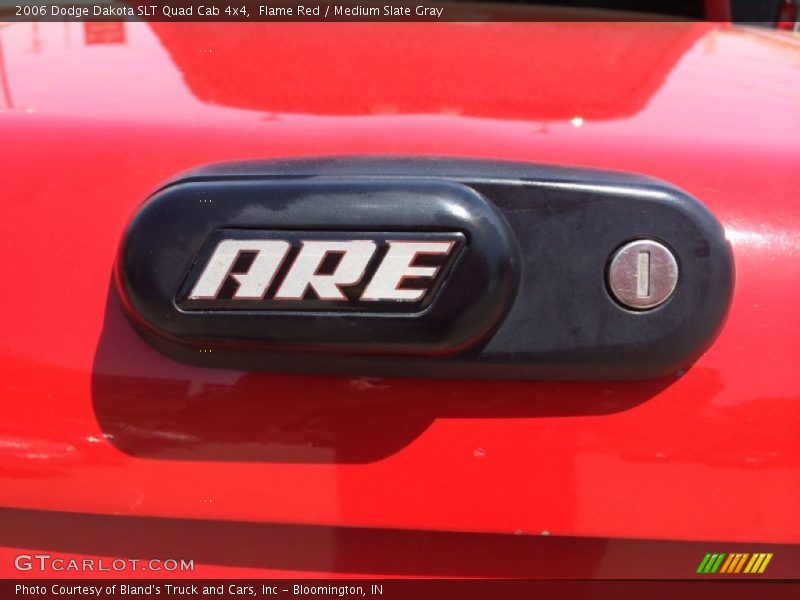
(703,563)
(735,563)
(716,564)
(740,564)
(727,564)
(710,563)
(755,561)
(767,558)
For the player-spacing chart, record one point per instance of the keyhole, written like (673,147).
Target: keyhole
(643,275)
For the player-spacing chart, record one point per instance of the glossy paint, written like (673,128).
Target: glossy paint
(95,421)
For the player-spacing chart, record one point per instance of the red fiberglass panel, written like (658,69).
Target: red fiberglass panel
(95,421)
(544,72)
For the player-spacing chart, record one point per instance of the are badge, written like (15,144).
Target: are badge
(426,267)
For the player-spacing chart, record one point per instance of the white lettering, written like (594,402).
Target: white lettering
(253,283)
(397,265)
(349,271)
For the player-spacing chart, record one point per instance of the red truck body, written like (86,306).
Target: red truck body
(347,475)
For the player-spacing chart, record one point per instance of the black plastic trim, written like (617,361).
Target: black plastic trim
(526,296)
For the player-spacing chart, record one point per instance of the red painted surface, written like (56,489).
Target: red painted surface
(94,421)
